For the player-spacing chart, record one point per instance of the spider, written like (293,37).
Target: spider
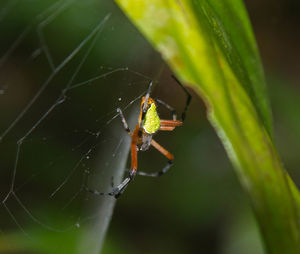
(148,124)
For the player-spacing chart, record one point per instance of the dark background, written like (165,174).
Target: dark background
(198,207)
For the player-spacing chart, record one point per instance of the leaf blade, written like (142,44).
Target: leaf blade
(201,43)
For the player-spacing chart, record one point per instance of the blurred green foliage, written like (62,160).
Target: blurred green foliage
(210,46)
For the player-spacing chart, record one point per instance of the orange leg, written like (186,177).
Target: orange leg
(122,186)
(133,147)
(166,128)
(117,191)
(164,152)
(133,157)
(170,123)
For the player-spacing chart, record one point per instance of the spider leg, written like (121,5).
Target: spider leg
(166,153)
(117,191)
(166,128)
(188,100)
(169,125)
(167,106)
(125,125)
(172,123)
(147,96)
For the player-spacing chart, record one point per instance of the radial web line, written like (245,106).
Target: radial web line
(44,23)
(54,73)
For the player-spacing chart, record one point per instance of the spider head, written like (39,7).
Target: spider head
(146,103)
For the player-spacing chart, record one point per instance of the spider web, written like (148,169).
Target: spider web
(60,130)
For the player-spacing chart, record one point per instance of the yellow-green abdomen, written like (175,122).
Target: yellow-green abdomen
(151,122)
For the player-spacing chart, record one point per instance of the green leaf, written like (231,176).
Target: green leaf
(210,46)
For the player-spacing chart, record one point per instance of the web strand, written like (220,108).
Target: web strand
(15,202)
(49,79)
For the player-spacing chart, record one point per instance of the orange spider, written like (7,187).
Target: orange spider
(149,123)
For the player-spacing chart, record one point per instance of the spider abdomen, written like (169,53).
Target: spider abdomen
(151,121)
